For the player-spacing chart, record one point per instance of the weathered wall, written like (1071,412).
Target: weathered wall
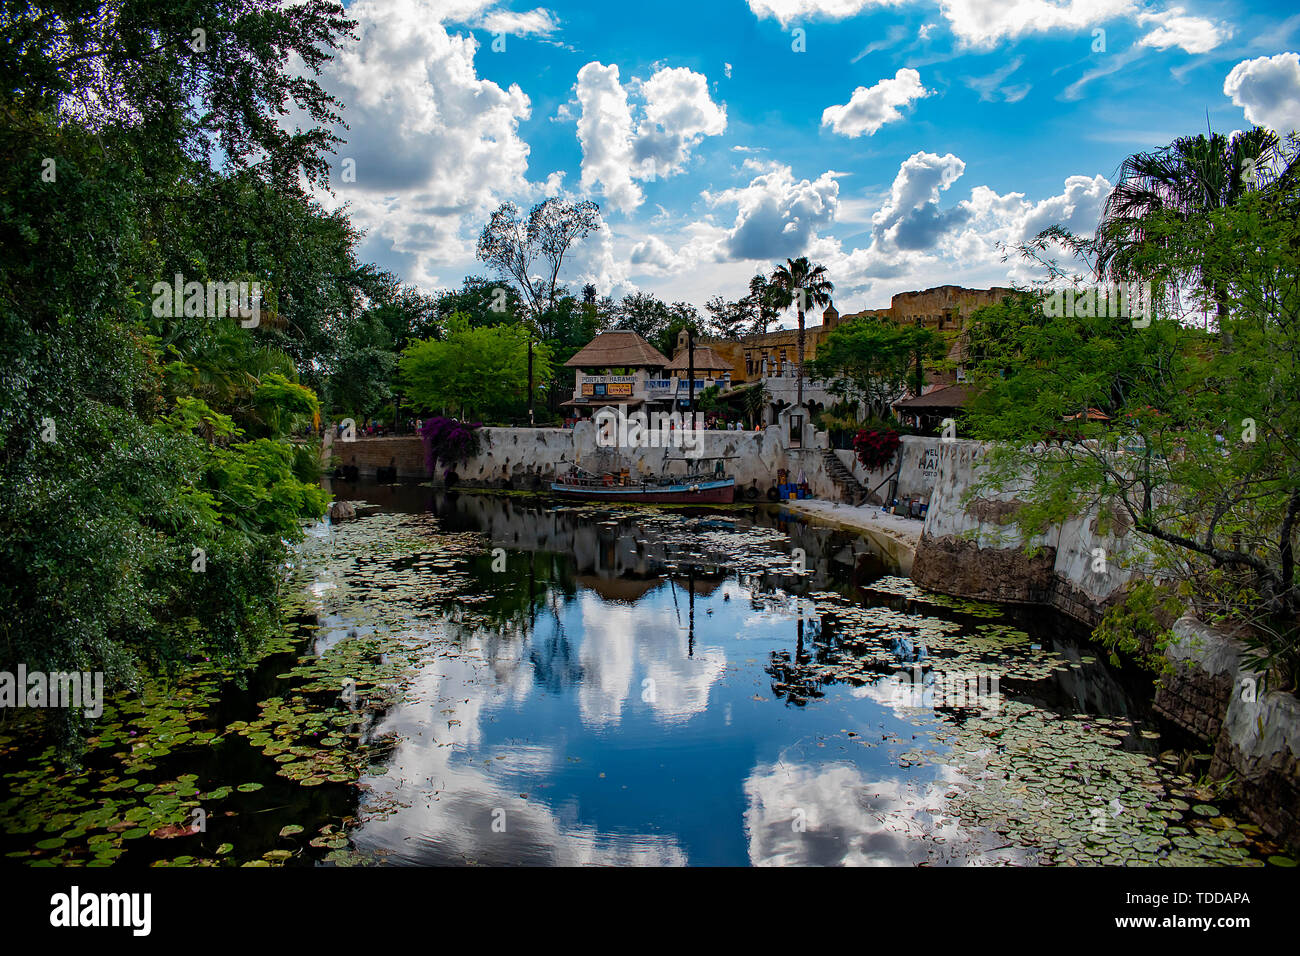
(916,477)
(370,454)
(525,455)
(971,549)
(968,549)
(1196,689)
(1255,731)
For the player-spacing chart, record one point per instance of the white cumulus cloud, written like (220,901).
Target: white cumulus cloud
(1267,88)
(790,11)
(433,146)
(776,216)
(538,22)
(1192,34)
(870,108)
(676,113)
(911,218)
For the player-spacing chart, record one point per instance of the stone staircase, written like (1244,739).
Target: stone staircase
(850,489)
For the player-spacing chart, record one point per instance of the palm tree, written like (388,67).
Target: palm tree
(800,283)
(1190,177)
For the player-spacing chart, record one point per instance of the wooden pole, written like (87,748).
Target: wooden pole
(690,370)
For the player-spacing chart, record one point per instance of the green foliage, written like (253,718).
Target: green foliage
(870,361)
(1139,625)
(479,371)
(481,301)
(1195,445)
(730,320)
(145,487)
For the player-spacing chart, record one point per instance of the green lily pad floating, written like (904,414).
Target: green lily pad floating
(1279,860)
(292,829)
(249,787)
(225,849)
(275,855)
(1205,810)
(53,843)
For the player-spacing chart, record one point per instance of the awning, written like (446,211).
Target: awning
(602,402)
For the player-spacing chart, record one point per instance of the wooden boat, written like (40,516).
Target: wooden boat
(689,490)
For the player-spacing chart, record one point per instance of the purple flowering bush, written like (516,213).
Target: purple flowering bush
(448,440)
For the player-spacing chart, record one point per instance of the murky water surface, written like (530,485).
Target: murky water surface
(488,679)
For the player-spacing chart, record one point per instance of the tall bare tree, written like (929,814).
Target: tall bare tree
(530,253)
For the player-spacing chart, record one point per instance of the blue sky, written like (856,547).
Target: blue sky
(899,142)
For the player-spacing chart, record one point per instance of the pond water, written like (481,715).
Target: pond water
(488,679)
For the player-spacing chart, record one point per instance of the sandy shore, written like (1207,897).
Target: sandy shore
(868,519)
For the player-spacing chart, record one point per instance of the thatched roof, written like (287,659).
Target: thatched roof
(617,349)
(706,360)
(950,397)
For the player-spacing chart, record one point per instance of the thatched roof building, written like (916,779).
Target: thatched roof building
(618,349)
(706,360)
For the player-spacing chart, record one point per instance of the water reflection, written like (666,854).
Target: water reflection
(615,686)
(832,815)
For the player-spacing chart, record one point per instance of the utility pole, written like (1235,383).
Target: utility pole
(530,375)
(690,369)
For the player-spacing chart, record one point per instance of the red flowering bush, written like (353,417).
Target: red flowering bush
(447,440)
(876,448)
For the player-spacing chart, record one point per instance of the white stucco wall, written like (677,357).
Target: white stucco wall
(518,453)
(916,477)
(1075,541)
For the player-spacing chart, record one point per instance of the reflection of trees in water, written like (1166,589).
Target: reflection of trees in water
(555,665)
(511,600)
(621,542)
(792,676)
(819,655)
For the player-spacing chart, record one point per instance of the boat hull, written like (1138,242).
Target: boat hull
(703,492)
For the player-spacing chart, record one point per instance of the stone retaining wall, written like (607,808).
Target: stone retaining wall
(1255,732)
(969,549)
(527,457)
(368,455)
(1196,689)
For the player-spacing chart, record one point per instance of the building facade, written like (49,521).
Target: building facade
(622,369)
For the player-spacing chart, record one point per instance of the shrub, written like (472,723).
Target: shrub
(876,447)
(448,440)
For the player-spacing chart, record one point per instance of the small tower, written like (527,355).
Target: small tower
(831,317)
(682,337)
